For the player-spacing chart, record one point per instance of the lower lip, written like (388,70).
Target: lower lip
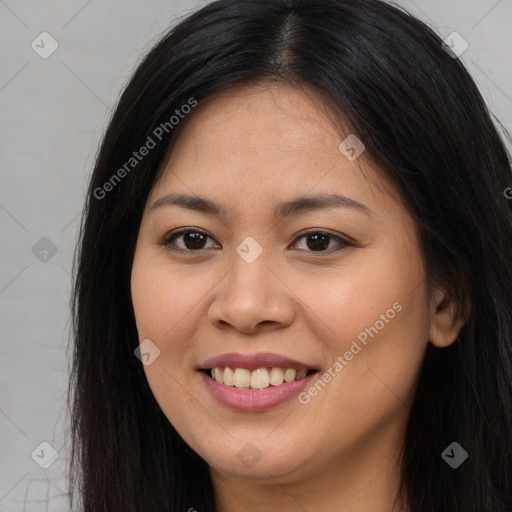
(246,399)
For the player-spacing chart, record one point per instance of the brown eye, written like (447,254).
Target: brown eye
(319,241)
(191,240)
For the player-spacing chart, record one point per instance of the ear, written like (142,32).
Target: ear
(446,319)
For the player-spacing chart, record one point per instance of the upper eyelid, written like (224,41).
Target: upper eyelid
(181,231)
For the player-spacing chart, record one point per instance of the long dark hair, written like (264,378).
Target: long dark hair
(424,122)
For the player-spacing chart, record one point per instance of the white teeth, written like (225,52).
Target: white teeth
(242,378)
(257,379)
(218,375)
(228,376)
(289,374)
(276,376)
(260,378)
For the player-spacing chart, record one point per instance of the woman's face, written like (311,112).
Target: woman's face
(337,287)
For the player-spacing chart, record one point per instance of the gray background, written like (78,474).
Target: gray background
(54,111)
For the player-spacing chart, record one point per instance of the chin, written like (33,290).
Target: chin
(252,460)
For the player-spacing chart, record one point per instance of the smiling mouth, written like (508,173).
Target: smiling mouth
(260,378)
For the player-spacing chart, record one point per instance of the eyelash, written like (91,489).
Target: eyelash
(168,239)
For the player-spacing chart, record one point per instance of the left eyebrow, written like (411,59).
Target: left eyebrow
(317,202)
(296,206)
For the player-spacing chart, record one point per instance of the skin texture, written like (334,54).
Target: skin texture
(249,149)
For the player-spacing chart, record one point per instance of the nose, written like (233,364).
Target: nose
(252,297)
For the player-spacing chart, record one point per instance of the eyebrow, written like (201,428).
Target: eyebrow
(298,205)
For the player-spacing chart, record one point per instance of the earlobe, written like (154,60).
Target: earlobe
(447,319)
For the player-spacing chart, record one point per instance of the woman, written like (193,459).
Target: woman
(294,276)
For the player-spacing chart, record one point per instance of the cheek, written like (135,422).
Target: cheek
(158,309)
(378,291)
(378,330)
(162,297)
(166,304)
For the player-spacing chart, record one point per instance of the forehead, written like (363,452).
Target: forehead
(262,141)
(264,111)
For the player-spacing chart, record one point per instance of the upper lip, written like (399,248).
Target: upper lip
(253,361)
